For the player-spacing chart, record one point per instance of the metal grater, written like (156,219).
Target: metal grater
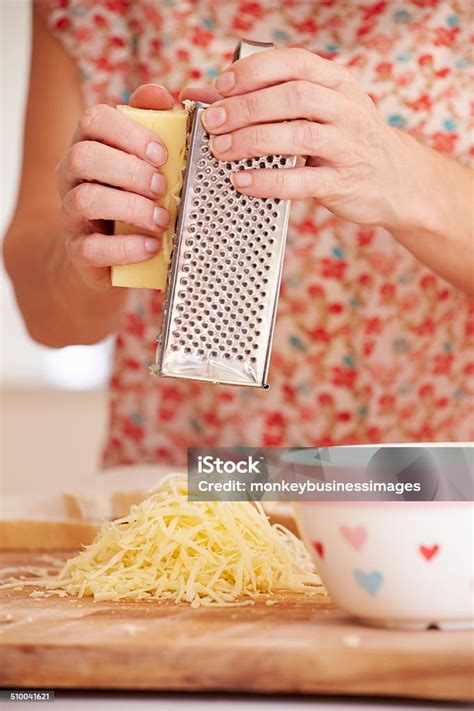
(223,286)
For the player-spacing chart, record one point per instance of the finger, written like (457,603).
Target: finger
(285,183)
(281,65)
(107,125)
(89,201)
(293,100)
(98,250)
(93,161)
(151,96)
(203,94)
(299,137)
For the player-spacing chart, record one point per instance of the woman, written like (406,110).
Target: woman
(371,341)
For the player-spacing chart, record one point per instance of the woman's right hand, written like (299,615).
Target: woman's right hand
(111,172)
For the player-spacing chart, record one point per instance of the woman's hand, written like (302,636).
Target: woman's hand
(112,172)
(292,102)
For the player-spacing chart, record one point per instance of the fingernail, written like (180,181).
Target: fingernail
(156,153)
(221,144)
(161,217)
(152,245)
(158,184)
(225,82)
(242,179)
(214,117)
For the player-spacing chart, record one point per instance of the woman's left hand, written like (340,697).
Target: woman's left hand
(293,102)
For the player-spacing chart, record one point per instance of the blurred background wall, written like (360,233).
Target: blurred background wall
(52,401)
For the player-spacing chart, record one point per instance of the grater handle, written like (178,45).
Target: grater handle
(247,47)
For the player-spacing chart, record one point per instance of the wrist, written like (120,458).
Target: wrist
(418,203)
(91,311)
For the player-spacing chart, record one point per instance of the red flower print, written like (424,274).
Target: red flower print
(100,20)
(319,334)
(307,227)
(211,419)
(226,397)
(132,364)
(443,294)
(251,8)
(426,390)
(443,72)
(387,291)
(201,37)
(315,290)
(115,382)
(133,431)
(118,41)
(162,454)
(442,402)
(325,399)
(424,434)
(469,329)
(298,306)
(344,377)
(469,369)
(195,73)
(445,37)
(289,391)
(343,416)
(422,103)
(384,70)
(62,23)
(274,419)
(387,401)
(336,308)
(118,6)
(374,434)
(165,414)
(368,347)
(426,327)
(404,79)
(365,279)
(373,325)
(272,440)
(135,326)
(427,281)
(308,25)
(365,236)
(442,363)
(425,59)
(444,142)
(182,54)
(171,393)
(242,23)
(425,3)
(333,268)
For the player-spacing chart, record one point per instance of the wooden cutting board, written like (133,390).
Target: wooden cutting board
(299,645)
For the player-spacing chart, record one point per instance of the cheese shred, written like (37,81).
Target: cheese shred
(198,552)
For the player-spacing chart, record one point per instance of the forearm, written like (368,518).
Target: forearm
(433,216)
(58,308)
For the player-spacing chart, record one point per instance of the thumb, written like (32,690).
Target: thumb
(151,96)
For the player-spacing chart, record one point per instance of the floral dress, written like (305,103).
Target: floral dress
(370,346)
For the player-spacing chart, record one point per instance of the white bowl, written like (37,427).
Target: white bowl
(395,564)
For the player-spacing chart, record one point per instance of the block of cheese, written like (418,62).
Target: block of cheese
(171,127)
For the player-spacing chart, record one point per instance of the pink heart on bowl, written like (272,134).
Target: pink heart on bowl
(355,536)
(319,548)
(428,552)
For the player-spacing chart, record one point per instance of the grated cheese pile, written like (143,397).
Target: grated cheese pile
(203,553)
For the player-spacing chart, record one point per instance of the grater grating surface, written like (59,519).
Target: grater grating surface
(226,270)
